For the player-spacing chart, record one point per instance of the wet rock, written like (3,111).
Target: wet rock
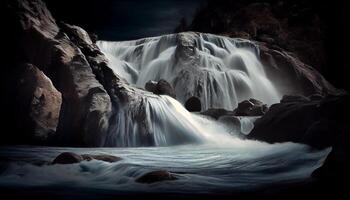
(193,104)
(233,123)
(162,87)
(68,158)
(151,86)
(156,176)
(251,107)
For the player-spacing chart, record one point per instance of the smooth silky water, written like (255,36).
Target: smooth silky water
(203,153)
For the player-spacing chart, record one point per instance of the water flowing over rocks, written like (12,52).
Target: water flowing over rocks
(162,87)
(71,158)
(98,82)
(156,176)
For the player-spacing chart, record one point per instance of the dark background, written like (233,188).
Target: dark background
(124,19)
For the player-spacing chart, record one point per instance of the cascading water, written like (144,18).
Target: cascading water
(220,71)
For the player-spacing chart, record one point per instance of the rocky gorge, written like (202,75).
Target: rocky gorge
(61,87)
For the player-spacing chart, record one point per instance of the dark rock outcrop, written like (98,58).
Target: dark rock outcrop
(71,158)
(313,122)
(156,176)
(162,87)
(38,104)
(251,107)
(193,104)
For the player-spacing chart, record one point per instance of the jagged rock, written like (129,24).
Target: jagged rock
(251,107)
(156,176)
(315,122)
(193,104)
(39,103)
(67,56)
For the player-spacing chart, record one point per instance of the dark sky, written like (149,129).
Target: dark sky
(125,19)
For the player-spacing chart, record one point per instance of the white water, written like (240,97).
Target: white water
(167,123)
(220,71)
(200,169)
(213,161)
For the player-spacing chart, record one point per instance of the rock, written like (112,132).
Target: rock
(233,123)
(71,158)
(294,98)
(315,122)
(216,113)
(193,104)
(68,158)
(162,87)
(156,176)
(40,102)
(294,76)
(251,107)
(151,86)
(102,157)
(69,58)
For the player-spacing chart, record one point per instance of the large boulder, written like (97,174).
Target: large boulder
(313,122)
(38,104)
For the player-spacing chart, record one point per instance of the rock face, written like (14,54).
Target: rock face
(160,87)
(313,122)
(39,103)
(156,176)
(61,53)
(193,104)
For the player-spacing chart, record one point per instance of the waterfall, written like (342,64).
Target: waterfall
(165,122)
(220,71)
